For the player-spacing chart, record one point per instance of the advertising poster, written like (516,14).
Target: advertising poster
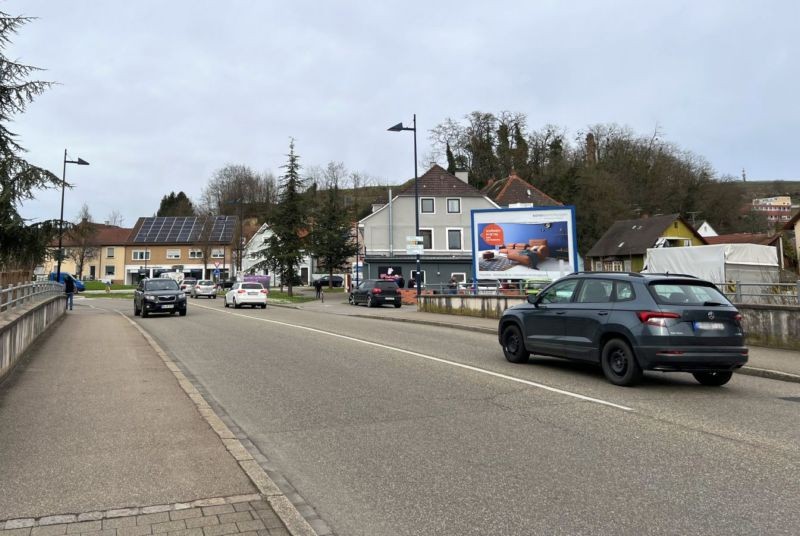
(524,243)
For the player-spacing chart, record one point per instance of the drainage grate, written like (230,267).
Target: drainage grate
(791,398)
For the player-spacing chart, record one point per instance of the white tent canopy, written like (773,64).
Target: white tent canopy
(747,263)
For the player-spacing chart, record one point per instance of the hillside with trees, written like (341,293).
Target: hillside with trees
(607,172)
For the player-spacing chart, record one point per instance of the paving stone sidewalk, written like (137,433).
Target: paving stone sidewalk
(245,514)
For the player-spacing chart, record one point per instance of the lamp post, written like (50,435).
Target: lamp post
(399,128)
(358,250)
(80,162)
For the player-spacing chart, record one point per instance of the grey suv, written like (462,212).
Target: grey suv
(629,322)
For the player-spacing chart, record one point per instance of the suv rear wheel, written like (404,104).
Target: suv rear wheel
(619,364)
(714,379)
(514,345)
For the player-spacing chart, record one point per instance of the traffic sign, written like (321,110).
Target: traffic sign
(216,273)
(216,264)
(414,245)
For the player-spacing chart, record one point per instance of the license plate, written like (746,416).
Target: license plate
(389,299)
(709,326)
(252,293)
(170,306)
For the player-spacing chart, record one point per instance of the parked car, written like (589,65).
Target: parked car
(375,292)
(246,293)
(158,296)
(187,284)
(481,286)
(79,286)
(627,323)
(337,280)
(204,287)
(226,284)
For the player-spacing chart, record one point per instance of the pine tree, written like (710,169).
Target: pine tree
(288,222)
(331,239)
(22,246)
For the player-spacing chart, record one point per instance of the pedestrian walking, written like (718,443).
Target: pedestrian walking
(318,288)
(69,289)
(452,285)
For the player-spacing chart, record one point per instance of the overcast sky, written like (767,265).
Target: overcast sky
(157,95)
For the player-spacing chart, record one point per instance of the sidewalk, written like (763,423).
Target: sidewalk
(104,436)
(770,363)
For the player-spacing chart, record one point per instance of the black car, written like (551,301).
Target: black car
(375,292)
(629,322)
(335,281)
(158,296)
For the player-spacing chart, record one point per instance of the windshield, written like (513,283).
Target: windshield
(252,285)
(687,293)
(161,284)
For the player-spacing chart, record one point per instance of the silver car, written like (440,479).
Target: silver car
(204,287)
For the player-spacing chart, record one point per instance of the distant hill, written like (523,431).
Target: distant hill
(755,189)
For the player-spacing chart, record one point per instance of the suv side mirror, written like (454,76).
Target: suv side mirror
(533,299)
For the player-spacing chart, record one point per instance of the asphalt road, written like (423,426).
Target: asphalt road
(393,429)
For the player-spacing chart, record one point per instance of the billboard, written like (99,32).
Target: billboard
(524,243)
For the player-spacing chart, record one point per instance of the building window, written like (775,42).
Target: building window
(110,269)
(613,266)
(217,253)
(454,239)
(109,253)
(195,254)
(427,205)
(427,238)
(421,277)
(454,206)
(141,255)
(173,254)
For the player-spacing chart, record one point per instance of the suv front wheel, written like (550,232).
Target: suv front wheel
(514,345)
(619,364)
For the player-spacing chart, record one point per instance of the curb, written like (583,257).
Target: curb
(770,374)
(294,522)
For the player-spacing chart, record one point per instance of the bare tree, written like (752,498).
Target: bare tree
(82,235)
(115,218)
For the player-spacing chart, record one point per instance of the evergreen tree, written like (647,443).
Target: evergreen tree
(285,248)
(22,246)
(331,239)
(176,205)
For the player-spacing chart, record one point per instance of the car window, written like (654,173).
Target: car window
(561,292)
(386,284)
(595,291)
(161,284)
(205,283)
(366,284)
(252,285)
(686,293)
(623,291)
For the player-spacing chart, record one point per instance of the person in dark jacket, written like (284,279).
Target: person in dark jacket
(69,289)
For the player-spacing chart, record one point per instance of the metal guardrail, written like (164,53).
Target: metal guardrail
(22,293)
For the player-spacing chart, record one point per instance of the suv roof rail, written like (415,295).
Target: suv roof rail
(635,274)
(673,274)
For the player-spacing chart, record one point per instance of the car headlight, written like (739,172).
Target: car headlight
(181,297)
(149,297)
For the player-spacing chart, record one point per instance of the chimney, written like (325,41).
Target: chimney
(463,176)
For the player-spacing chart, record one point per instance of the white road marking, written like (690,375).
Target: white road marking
(428,357)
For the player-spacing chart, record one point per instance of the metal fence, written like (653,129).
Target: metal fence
(24,293)
(736,292)
(762,293)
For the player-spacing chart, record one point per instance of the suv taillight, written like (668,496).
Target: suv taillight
(655,318)
(738,319)
(376,290)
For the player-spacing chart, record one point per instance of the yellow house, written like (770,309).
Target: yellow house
(197,247)
(624,246)
(102,252)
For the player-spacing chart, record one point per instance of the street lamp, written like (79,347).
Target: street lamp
(358,250)
(80,162)
(399,128)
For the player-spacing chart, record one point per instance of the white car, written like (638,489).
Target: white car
(187,284)
(246,293)
(204,287)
